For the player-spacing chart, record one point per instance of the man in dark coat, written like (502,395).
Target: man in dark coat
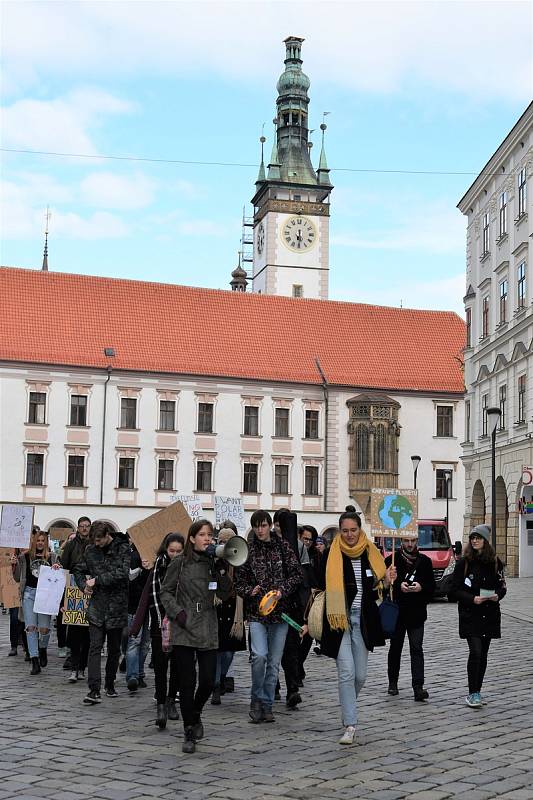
(77,635)
(412,590)
(104,574)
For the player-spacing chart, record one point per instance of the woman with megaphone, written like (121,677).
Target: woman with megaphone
(192,583)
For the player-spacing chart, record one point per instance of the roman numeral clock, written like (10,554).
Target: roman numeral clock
(299,233)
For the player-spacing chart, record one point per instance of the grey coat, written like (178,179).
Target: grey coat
(185,592)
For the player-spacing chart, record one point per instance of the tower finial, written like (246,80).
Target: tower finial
(323,169)
(45,254)
(261,176)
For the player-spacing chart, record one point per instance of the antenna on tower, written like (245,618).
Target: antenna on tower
(45,254)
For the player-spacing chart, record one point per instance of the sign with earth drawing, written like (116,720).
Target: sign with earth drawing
(394,512)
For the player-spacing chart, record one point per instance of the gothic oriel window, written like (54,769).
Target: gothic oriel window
(379,447)
(361,445)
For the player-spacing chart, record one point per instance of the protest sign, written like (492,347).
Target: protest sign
(15,526)
(5,556)
(60,534)
(148,535)
(50,588)
(394,512)
(76,605)
(230,508)
(192,505)
(9,588)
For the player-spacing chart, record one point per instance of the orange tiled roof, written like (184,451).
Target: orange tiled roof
(63,319)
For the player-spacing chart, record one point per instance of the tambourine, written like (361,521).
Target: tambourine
(268,603)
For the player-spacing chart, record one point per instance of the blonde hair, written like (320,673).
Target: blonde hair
(33,544)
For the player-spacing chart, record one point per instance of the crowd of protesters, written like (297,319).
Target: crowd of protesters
(189,612)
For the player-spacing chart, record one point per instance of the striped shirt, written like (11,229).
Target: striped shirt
(356,565)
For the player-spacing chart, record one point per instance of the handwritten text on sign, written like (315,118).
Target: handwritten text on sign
(76,605)
(230,508)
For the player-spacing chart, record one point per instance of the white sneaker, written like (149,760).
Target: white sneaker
(73,677)
(348,736)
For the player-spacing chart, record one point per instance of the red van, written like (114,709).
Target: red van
(434,541)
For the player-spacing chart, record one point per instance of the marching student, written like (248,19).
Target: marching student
(77,635)
(478,585)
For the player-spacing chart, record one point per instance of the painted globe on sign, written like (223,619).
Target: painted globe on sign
(395,511)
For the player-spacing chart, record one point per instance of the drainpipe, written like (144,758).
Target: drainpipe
(325,389)
(109,371)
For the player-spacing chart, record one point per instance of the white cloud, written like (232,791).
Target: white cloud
(109,190)
(200,227)
(442,294)
(100,225)
(368,46)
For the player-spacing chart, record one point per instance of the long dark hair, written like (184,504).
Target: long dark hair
(193,530)
(169,538)
(486,555)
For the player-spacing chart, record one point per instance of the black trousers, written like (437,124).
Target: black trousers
(16,628)
(305,646)
(60,628)
(192,697)
(290,660)
(416,638)
(477,661)
(161,662)
(97,636)
(79,641)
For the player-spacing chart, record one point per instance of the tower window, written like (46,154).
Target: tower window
(286,118)
(297,290)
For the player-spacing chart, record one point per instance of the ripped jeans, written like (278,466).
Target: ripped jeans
(37,625)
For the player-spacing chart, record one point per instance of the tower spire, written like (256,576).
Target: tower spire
(239,280)
(261,176)
(274,172)
(323,169)
(45,254)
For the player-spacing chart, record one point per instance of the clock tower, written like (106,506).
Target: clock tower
(291,203)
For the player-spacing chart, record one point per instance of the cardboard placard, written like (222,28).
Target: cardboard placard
(15,526)
(394,512)
(9,588)
(60,534)
(5,556)
(76,606)
(148,535)
(231,508)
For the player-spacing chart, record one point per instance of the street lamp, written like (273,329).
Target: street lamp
(493,418)
(447,478)
(416,461)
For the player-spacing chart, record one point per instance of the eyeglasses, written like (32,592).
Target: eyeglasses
(475,536)
(304,539)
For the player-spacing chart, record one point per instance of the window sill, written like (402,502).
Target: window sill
(165,430)
(131,430)
(281,494)
(451,499)
(501,325)
(126,488)
(203,491)
(484,257)
(520,423)
(520,311)
(519,219)
(251,435)
(484,436)
(204,433)
(436,436)
(311,495)
(165,489)
(38,424)
(77,427)
(34,486)
(75,487)
(312,439)
(501,239)
(283,438)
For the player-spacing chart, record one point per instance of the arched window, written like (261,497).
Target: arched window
(361,447)
(379,447)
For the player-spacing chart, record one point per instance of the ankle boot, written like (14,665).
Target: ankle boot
(161,718)
(43,656)
(215,697)
(35,666)
(189,743)
(172,711)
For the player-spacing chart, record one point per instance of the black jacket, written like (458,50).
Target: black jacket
(413,606)
(110,566)
(370,623)
(468,579)
(73,552)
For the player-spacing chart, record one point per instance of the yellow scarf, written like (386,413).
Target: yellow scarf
(335,595)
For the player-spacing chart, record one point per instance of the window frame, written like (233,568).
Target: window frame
(206,413)
(440,483)
(309,483)
(76,408)
(502,214)
(251,421)
(281,473)
(165,471)
(485,235)
(74,481)
(443,418)
(521,392)
(126,470)
(250,477)
(311,424)
(33,407)
(485,313)
(127,406)
(203,472)
(33,468)
(468,321)
(503,295)
(522,192)
(521,285)
(484,419)
(163,414)
(502,402)
(277,422)
(468,420)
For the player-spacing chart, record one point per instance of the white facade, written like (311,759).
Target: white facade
(498,368)
(228,449)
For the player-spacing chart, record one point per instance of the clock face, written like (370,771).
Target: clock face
(260,238)
(298,234)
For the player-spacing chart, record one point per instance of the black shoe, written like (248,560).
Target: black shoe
(133,685)
(393,688)
(277,695)
(67,664)
(142,684)
(317,651)
(268,716)
(122,665)
(420,694)
(92,698)
(161,716)
(172,710)
(189,742)
(198,731)
(293,698)
(43,656)
(300,683)
(215,697)
(256,712)
(110,691)
(151,664)
(13,651)
(229,685)
(27,656)
(35,666)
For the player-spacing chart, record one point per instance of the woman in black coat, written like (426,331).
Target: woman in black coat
(478,585)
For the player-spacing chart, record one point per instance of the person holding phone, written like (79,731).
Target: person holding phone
(412,590)
(478,586)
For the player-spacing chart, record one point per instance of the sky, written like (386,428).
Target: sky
(411,87)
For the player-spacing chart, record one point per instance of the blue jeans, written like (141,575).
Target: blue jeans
(352,664)
(137,650)
(267,643)
(224,659)
(37,625)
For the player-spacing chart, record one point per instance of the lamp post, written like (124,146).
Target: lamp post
(416,461)
(493,417)
(447,477)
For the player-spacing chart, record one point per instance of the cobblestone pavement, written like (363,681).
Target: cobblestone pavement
(53,746)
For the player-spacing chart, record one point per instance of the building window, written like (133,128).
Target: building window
(126,473)
(469,327)
(76,469)
(521,284)
(486,235)
(485,318)
(281,479)
(361,447)
(167,415)
(444,420)
(503,300)
(503,214)
(484,420)
(522,192)
(311,424)
(205,418)
(467,420)
(281,426)
(297,290)
(37,410)
(440,487)
(128,412)
(165,473)
(78,410)
(250,478)
(311,481)
(503,403)
(521,398)
(204,473)
(379,447)
(251,420)
(34,469)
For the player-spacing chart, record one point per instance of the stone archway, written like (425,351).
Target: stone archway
(478,506)
(502,518)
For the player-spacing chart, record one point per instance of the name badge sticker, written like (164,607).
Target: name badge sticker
(369,573)
(213,585)
(468,582)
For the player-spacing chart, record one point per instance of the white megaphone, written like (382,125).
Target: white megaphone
(234,551)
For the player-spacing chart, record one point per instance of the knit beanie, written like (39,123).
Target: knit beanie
(482,530)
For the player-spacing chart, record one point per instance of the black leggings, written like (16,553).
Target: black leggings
(161,661)
(477,661)
(191,701)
